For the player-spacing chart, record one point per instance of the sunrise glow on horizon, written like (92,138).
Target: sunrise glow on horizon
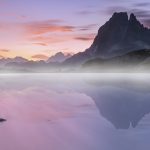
(38,29)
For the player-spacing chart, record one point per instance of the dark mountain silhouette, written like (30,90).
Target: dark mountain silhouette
(116,37)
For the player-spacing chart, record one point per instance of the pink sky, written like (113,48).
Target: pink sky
(42,28)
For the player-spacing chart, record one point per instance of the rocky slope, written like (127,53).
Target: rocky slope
(120,35)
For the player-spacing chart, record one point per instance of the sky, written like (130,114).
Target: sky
(38,29)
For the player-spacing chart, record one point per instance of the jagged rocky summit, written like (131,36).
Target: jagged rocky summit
(118,36)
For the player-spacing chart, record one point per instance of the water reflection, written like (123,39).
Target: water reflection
(59,111)
(123,101)
(121,107)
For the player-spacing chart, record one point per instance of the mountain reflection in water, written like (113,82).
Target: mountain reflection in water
(65,111)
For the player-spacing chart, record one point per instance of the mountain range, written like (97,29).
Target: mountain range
(4,61)
(122,42)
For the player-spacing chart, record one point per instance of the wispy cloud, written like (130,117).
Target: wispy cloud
(87,27)
(52,31)
(14,15)
(4,50)
(51,39)
(85,37)
(85,12)
(142,4)
(43,27)
(1,56)
(46,40)
(41,44)
(40,57)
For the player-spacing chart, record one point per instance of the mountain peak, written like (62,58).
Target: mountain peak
(58,57)
(134,20)
(132,17)
(120,15)
(135,26)
(118,36)
(124,16)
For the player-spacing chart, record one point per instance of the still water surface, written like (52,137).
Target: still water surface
(75,112)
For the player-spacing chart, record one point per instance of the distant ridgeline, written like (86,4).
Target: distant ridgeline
(122,44)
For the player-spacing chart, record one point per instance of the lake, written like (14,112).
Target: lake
(75,111)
